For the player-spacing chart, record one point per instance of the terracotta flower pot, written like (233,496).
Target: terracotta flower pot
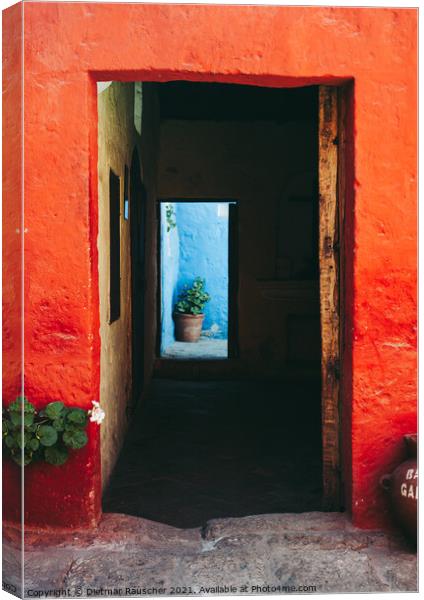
(402,486)
(188,327)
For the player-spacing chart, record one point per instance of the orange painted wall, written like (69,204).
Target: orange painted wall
(12,235)
(68,47)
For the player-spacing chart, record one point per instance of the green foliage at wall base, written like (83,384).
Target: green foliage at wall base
(29,435)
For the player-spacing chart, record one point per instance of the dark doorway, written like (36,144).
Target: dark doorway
(257,432)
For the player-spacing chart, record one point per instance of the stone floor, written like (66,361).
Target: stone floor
(204,349)
(203,450)
(199,458)
(128,556)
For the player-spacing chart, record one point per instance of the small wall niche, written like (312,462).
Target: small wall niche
(115,247)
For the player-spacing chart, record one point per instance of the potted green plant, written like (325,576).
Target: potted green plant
(188,311)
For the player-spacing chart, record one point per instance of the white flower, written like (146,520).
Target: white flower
(215,328)
(96,414)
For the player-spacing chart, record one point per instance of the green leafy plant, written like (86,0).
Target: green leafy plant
(170,217)
(191,301)
(30,435)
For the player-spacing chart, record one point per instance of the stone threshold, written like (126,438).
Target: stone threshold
(320,550)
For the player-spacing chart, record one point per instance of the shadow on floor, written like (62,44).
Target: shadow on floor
(203,450)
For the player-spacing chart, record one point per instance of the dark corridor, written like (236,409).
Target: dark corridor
(203,450)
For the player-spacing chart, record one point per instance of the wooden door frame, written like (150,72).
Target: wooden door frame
(331,141)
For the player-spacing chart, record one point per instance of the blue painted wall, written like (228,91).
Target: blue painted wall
(170,251)
(202,239)
(204,253)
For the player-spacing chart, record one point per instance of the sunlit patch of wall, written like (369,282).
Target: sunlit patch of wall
(117,138)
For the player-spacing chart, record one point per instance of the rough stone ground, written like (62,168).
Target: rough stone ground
(309,549)
(204,349)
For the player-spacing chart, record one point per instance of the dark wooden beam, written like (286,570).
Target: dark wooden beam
(329,245)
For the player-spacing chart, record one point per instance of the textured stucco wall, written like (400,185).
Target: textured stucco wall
(12,214)
(204,253)
(67,47)
(117,138)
